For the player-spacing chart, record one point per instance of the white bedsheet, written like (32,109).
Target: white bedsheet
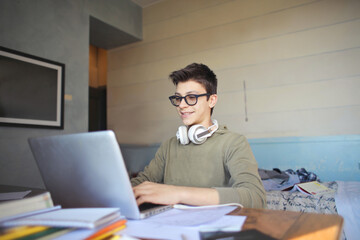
(347,201)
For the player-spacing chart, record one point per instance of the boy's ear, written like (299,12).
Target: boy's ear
(213,100)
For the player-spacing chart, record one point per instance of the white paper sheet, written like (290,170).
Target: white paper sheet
(139,229)
(184,224)
(191,217)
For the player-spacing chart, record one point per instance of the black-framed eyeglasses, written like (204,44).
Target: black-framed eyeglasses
(190,99)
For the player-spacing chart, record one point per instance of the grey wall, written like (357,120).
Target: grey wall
(124,15)
(114,23)
(58,31)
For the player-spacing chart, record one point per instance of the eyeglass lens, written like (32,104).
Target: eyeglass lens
(190,99)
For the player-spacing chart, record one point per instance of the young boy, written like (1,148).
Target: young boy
(205,164)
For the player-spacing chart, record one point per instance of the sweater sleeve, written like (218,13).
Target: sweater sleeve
(154,172)
(245,183)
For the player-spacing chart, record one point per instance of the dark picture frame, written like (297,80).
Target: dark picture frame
(31,90)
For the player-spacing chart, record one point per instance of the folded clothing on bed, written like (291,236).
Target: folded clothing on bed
(277,180)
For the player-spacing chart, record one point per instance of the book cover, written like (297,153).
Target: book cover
(69,217)
(312,188)
(14,208)
(33,232)
(20,232)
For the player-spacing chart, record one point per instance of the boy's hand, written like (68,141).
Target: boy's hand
(156,193)
(169,194)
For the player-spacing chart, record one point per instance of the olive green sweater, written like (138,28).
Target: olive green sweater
(224,162)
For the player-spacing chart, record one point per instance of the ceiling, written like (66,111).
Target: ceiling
(146,3)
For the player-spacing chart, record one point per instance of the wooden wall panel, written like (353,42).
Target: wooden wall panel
(151,112)
(305,96)
(239,32)
(174,8)
(296,123)
(142,93)
(338,37)
(215,16)
(317,67)
(299,60)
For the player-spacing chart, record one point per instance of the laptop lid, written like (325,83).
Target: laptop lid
(86,170)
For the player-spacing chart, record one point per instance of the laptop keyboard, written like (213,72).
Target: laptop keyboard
(146,206)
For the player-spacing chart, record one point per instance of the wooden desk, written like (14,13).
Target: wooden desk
(292,225)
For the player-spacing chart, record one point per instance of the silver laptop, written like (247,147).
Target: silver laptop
(88,170)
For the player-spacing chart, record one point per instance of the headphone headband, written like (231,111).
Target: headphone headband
(208,132)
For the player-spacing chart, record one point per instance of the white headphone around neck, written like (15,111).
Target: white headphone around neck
(196,133)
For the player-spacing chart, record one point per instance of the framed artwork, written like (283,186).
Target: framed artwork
(31,90)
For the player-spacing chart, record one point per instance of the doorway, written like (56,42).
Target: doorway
(97,88)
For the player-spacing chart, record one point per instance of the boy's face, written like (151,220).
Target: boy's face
(200,112)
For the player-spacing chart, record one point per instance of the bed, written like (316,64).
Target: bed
(344,200)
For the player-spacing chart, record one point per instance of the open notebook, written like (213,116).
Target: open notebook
(87,170)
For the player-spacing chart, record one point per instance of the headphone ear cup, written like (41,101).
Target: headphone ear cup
(182,135)
(194,131)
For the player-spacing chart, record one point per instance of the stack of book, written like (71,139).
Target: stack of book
(36,217)
(84,223)
(33,232)
(22,207)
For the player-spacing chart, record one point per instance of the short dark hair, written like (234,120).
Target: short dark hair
(198,72)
